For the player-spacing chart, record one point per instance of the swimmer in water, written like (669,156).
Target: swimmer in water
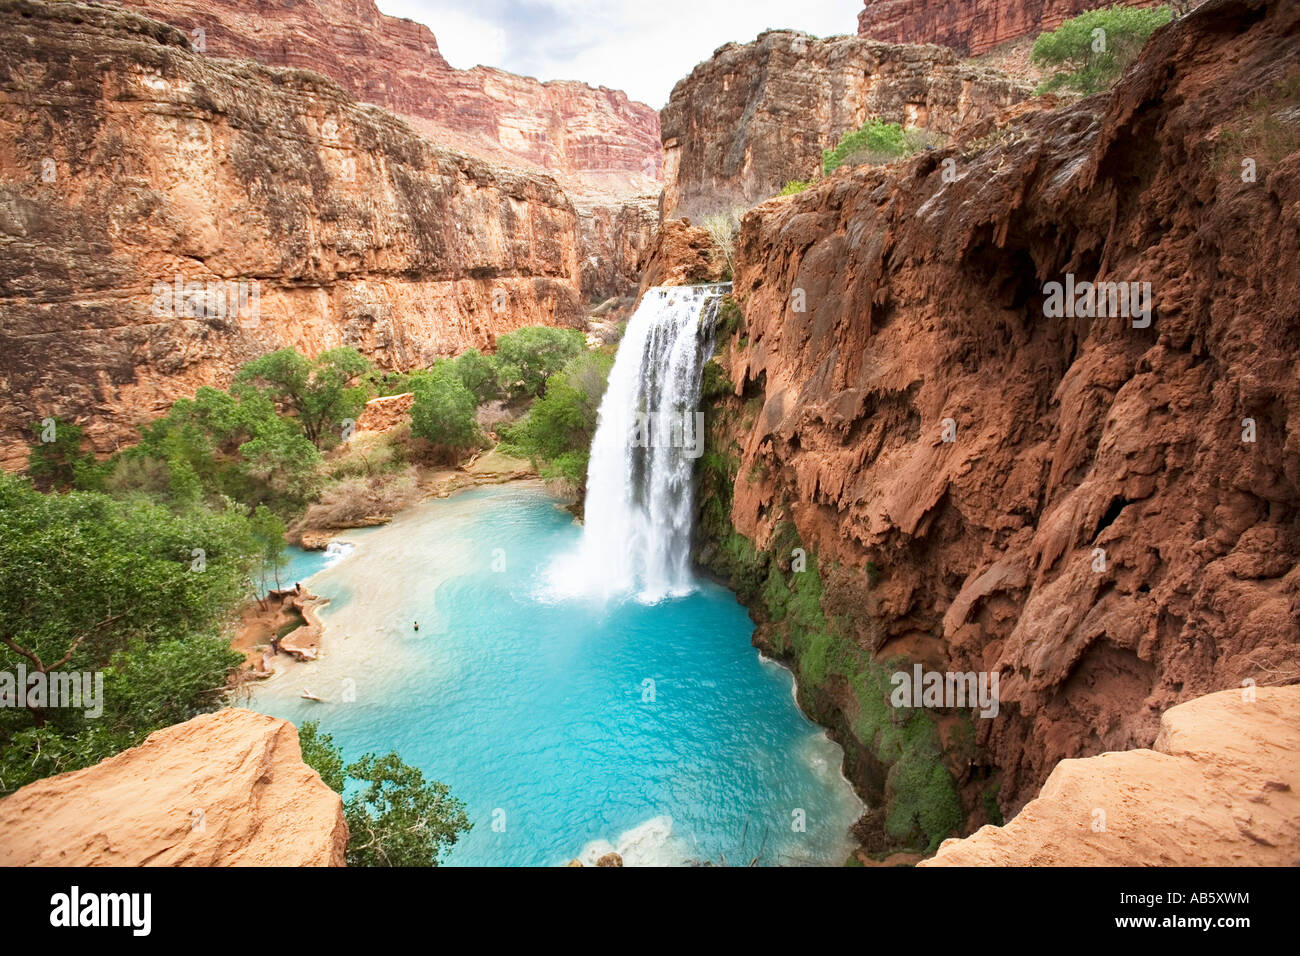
(416,624)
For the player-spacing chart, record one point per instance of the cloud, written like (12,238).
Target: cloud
(642,47)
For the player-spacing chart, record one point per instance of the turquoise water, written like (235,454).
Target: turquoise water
(567,727)
(300,565)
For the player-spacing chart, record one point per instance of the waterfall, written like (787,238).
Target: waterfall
(637,531)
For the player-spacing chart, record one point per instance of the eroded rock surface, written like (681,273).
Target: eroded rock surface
(970,26)
(589,137)
(128,160)
(1219,787)
(757,115)
(223,789)
(1114,527)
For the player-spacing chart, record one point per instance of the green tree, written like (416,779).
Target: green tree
(395,817)
(443,410)
(321,754)
(478,373)
(268,534)
(322,393)
(127,588)
(1091,51)
(56,460)
(527,357)
(556,433)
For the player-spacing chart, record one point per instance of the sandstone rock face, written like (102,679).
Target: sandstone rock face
(1105,514)
(1220,787)
(758,115)
(223,789)
(128,160)
(589,137)
(970,26)
(614,239)
(681,254)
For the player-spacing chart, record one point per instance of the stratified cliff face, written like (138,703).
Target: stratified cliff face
(126,161)
(587,136)
(614,237)
(1220,787)
(223,789)
(758,115)
(970,27)
(1104,512)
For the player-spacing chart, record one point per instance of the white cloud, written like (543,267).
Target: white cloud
(642,47)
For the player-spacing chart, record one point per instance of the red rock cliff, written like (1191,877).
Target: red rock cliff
(1105,513)
(590,137)
(970,27)
(757,115)
(127,160)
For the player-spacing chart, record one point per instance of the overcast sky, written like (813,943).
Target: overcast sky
(641,46)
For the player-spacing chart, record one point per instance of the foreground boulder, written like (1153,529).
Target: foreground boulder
(223,789)
(1221,787)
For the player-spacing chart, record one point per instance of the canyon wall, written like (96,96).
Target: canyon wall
(757,115)
(128,160)
(222,789)
(970,27)
(614,238)
(1102,510)
(591,138)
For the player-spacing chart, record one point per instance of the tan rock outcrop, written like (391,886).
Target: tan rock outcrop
(681,254)
(757,115)
(1219,787)
(589,137)
(223,789)
(128,160)
(970,26)
(1114,527)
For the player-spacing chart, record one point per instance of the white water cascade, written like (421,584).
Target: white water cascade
(637,532)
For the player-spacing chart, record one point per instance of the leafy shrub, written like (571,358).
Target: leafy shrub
(443,411)
(129,588)
(556,433)
(875,142)
(61,463)
(794,187)
(527,357)
(1091,50)
(395,817)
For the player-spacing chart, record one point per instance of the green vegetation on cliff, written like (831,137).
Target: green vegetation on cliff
(874,142)
(840,684)
(1090,51)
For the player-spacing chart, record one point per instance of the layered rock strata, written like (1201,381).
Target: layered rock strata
(757,115)
(166,216)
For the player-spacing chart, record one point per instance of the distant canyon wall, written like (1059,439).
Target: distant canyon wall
(759,114)
(588,137)
(971,27)
(127,160)
(1103,510)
